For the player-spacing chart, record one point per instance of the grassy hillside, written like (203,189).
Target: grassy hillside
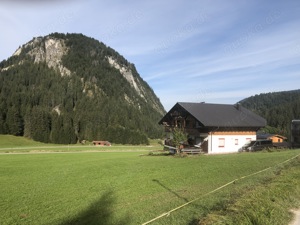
(10,141)
(125,188)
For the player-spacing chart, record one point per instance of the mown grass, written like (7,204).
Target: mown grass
(123,187)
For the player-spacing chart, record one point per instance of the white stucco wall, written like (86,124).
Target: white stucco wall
(232,143)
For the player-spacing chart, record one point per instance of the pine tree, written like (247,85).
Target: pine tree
(40,124)
(14,121)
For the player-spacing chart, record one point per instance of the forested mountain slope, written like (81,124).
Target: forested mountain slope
(278,108)
(64,88)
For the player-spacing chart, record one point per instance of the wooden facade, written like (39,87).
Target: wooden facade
(245,132)
(278,139)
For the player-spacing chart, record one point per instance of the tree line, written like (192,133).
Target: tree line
(278,108)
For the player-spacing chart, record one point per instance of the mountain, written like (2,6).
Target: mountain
(278,108)
(65,88)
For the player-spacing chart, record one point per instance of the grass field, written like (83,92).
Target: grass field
(12,144)
(123,187)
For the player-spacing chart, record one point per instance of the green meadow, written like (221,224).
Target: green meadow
(126,185)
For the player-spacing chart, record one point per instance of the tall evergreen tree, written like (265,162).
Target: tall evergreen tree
(14,121)
(40,124)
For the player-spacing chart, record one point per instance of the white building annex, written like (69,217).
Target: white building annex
(217,128)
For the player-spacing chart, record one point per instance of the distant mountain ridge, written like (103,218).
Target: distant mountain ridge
(64,88)
(278,108)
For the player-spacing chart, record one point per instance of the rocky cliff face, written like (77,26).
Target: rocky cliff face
(135,83)
(49,50)
(127,74)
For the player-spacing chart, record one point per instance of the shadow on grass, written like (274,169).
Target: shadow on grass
(159,153)
(100,212)
(170,190)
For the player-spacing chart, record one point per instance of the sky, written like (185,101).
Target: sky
(188,51)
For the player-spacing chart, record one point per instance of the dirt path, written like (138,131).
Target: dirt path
(296,220)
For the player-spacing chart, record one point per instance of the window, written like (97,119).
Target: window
(187,123)
(198,124)
(236,141)
(221,142)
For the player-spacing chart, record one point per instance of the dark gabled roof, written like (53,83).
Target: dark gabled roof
(220,115)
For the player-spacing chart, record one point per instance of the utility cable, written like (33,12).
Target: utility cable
(217,189)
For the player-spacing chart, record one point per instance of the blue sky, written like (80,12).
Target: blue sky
(192,51)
